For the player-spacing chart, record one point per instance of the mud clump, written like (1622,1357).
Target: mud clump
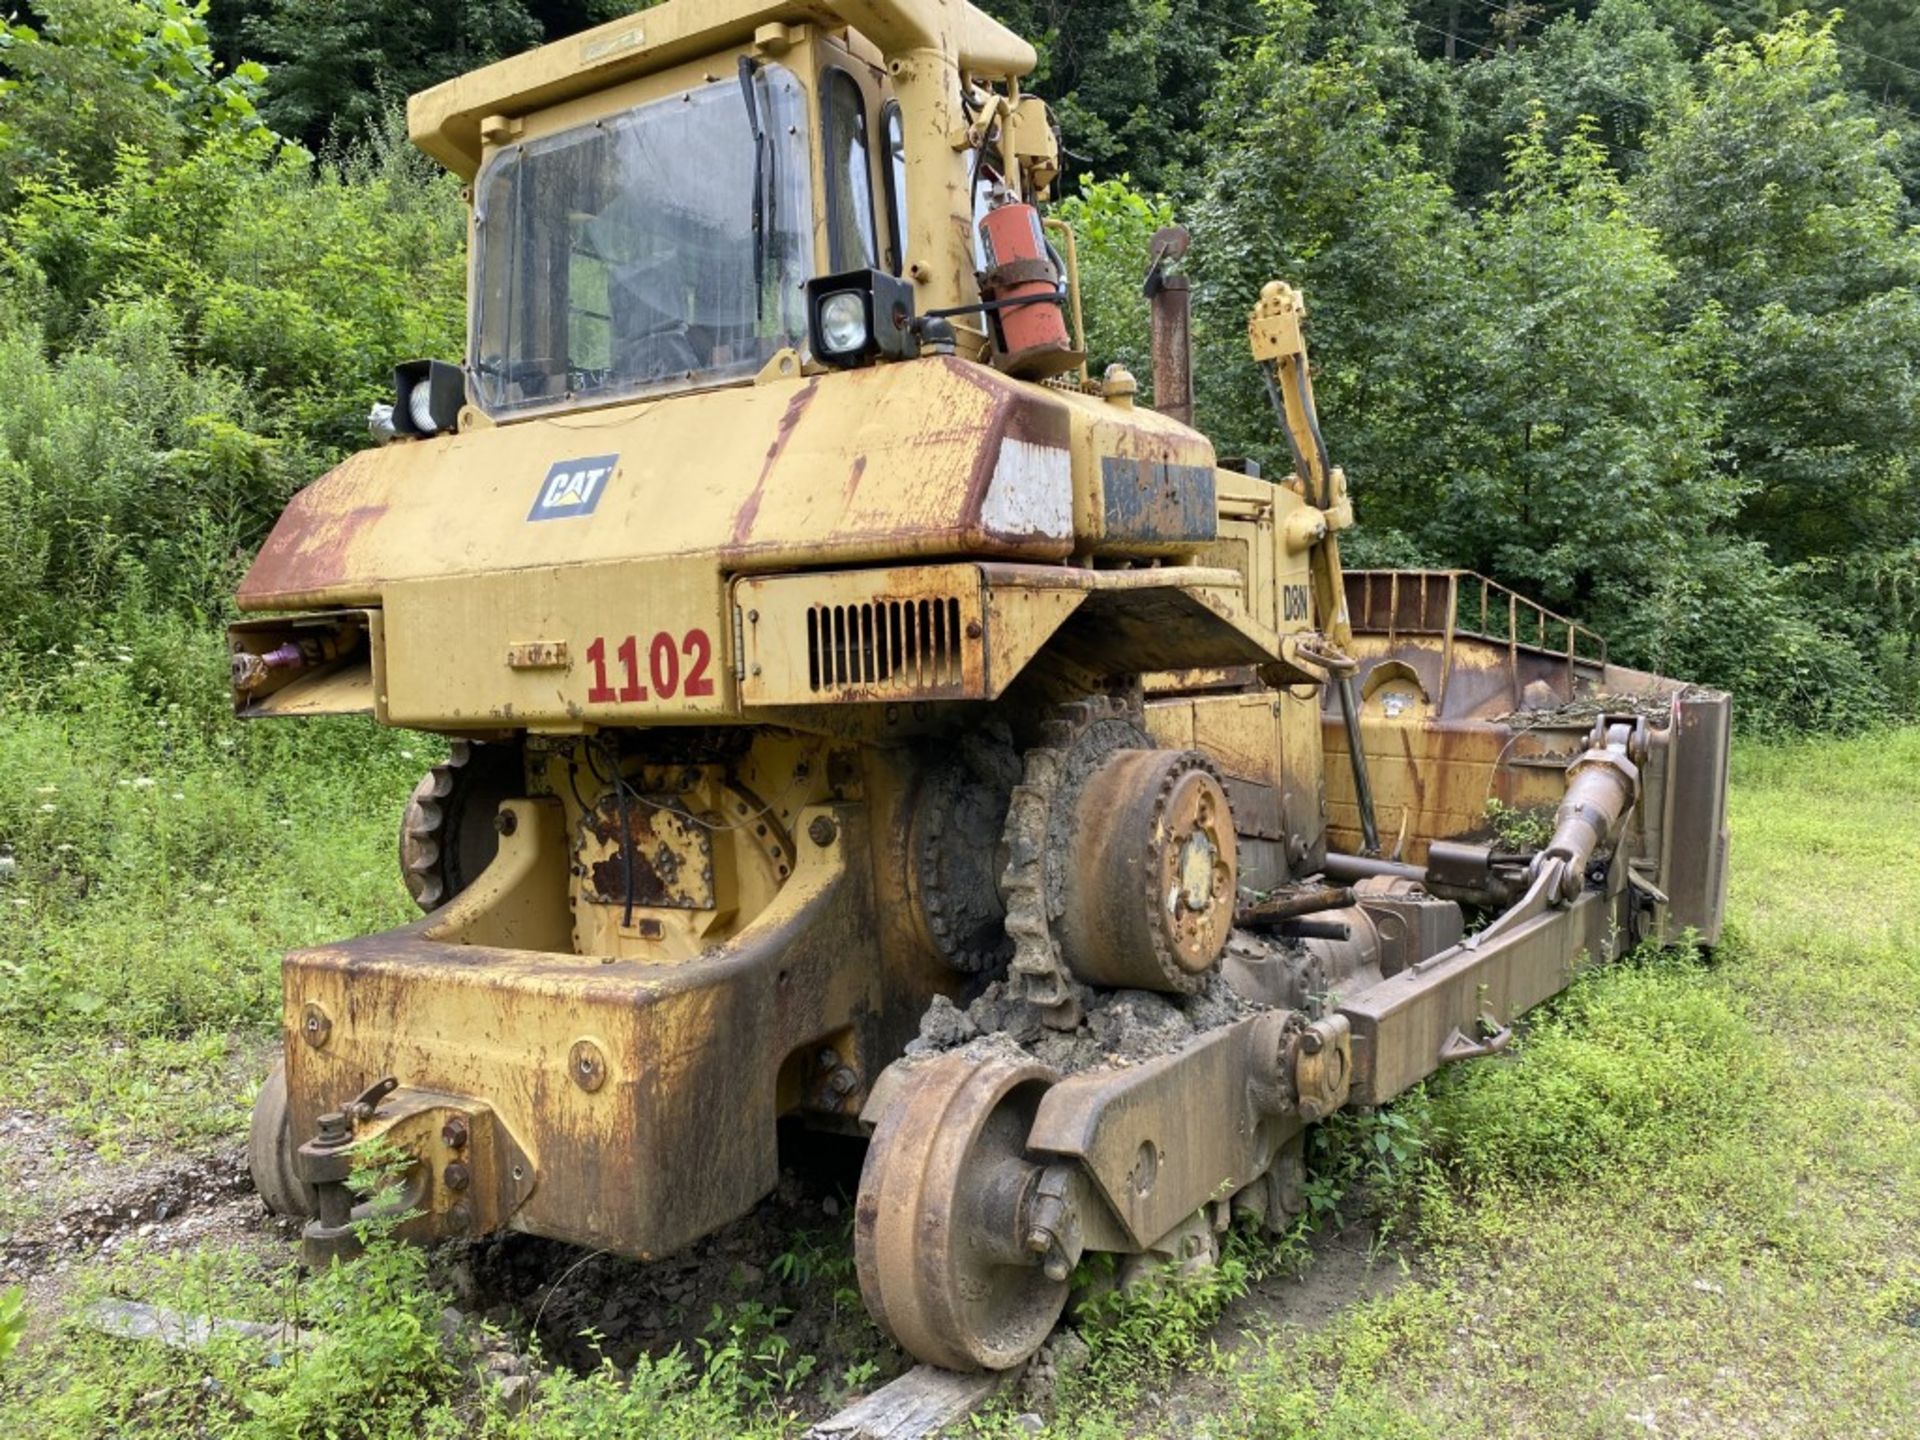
(945,1026)
(1118,1028)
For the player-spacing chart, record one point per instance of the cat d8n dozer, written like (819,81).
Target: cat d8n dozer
(861,717)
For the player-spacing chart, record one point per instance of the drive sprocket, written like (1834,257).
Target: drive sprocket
(958,821)
(1121,862)
(1073,742)
(447,834)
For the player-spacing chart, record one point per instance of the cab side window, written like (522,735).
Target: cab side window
(896,173)
(849,151)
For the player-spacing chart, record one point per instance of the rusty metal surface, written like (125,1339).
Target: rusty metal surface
(1041,824)
(635,1164)
(850,637)
(1450,605)
(1171,326)
(651,854)
(1402,1026)
(938,1235)
(1285,905)
(1150,872)
(1322,1056)
(959,816)
(1695,844)
(270,1146)
(1162,1138)
(928,633)
(1157,501)
(792,472)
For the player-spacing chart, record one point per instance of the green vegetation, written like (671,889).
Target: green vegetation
(163,856)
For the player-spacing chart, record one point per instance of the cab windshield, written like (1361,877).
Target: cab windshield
(661,249)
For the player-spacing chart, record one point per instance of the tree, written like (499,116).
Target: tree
(1577,432)
(1776,195)
(79,79)
(1315,177)
(1618,68)
(338,65)
(1129,80)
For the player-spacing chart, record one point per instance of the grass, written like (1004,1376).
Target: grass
(1682,1205)
(163,856)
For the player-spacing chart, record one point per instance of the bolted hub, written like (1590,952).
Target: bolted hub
(1197,872)
(1150,873)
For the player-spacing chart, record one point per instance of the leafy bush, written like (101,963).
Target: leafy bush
(1628,1068)
(188,345)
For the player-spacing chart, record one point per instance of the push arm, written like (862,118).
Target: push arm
(1280,349)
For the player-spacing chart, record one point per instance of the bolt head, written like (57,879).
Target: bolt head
(453,1134)
(587,1065)
(822,831)
(316,1026)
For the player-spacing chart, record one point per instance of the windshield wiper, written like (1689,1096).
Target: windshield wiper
(762,198)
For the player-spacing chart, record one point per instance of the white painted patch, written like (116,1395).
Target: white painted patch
(1031,492)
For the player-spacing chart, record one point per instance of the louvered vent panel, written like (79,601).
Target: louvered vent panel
(912,645)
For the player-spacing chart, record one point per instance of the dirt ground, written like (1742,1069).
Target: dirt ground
(67,1209)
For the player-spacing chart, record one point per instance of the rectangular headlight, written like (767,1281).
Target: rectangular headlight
(882,325)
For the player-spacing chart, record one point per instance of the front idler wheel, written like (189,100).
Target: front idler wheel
(270,1150)
(941,1227)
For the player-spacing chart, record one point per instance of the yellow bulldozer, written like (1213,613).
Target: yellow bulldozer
(864,720)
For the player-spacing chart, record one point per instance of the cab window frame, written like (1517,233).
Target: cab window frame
(834,162)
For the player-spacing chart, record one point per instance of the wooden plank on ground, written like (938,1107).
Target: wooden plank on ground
(920,1404)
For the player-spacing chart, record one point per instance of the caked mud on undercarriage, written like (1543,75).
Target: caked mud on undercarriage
(862,715)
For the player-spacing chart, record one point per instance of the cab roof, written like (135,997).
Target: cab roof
(445,121)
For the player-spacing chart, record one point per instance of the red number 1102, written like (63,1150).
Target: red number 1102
(663,668)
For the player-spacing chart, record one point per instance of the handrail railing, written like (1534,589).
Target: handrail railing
(1455,603)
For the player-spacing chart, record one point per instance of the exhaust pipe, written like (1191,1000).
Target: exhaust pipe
(1172,307)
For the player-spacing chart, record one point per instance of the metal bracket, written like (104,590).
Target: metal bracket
(1461,1046)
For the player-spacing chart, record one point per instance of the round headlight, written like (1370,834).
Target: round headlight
(843,322)
(420,407)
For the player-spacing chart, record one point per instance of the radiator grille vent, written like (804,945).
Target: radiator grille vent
(912,644)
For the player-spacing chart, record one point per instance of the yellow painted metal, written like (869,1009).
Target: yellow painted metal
(629,643)
(926,633)
(638,1161)
(1277,338)
(929,46)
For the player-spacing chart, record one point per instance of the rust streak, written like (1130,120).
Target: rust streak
(1014,413)
(307,551)
(750,508)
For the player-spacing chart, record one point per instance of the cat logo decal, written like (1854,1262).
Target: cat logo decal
(573,487)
